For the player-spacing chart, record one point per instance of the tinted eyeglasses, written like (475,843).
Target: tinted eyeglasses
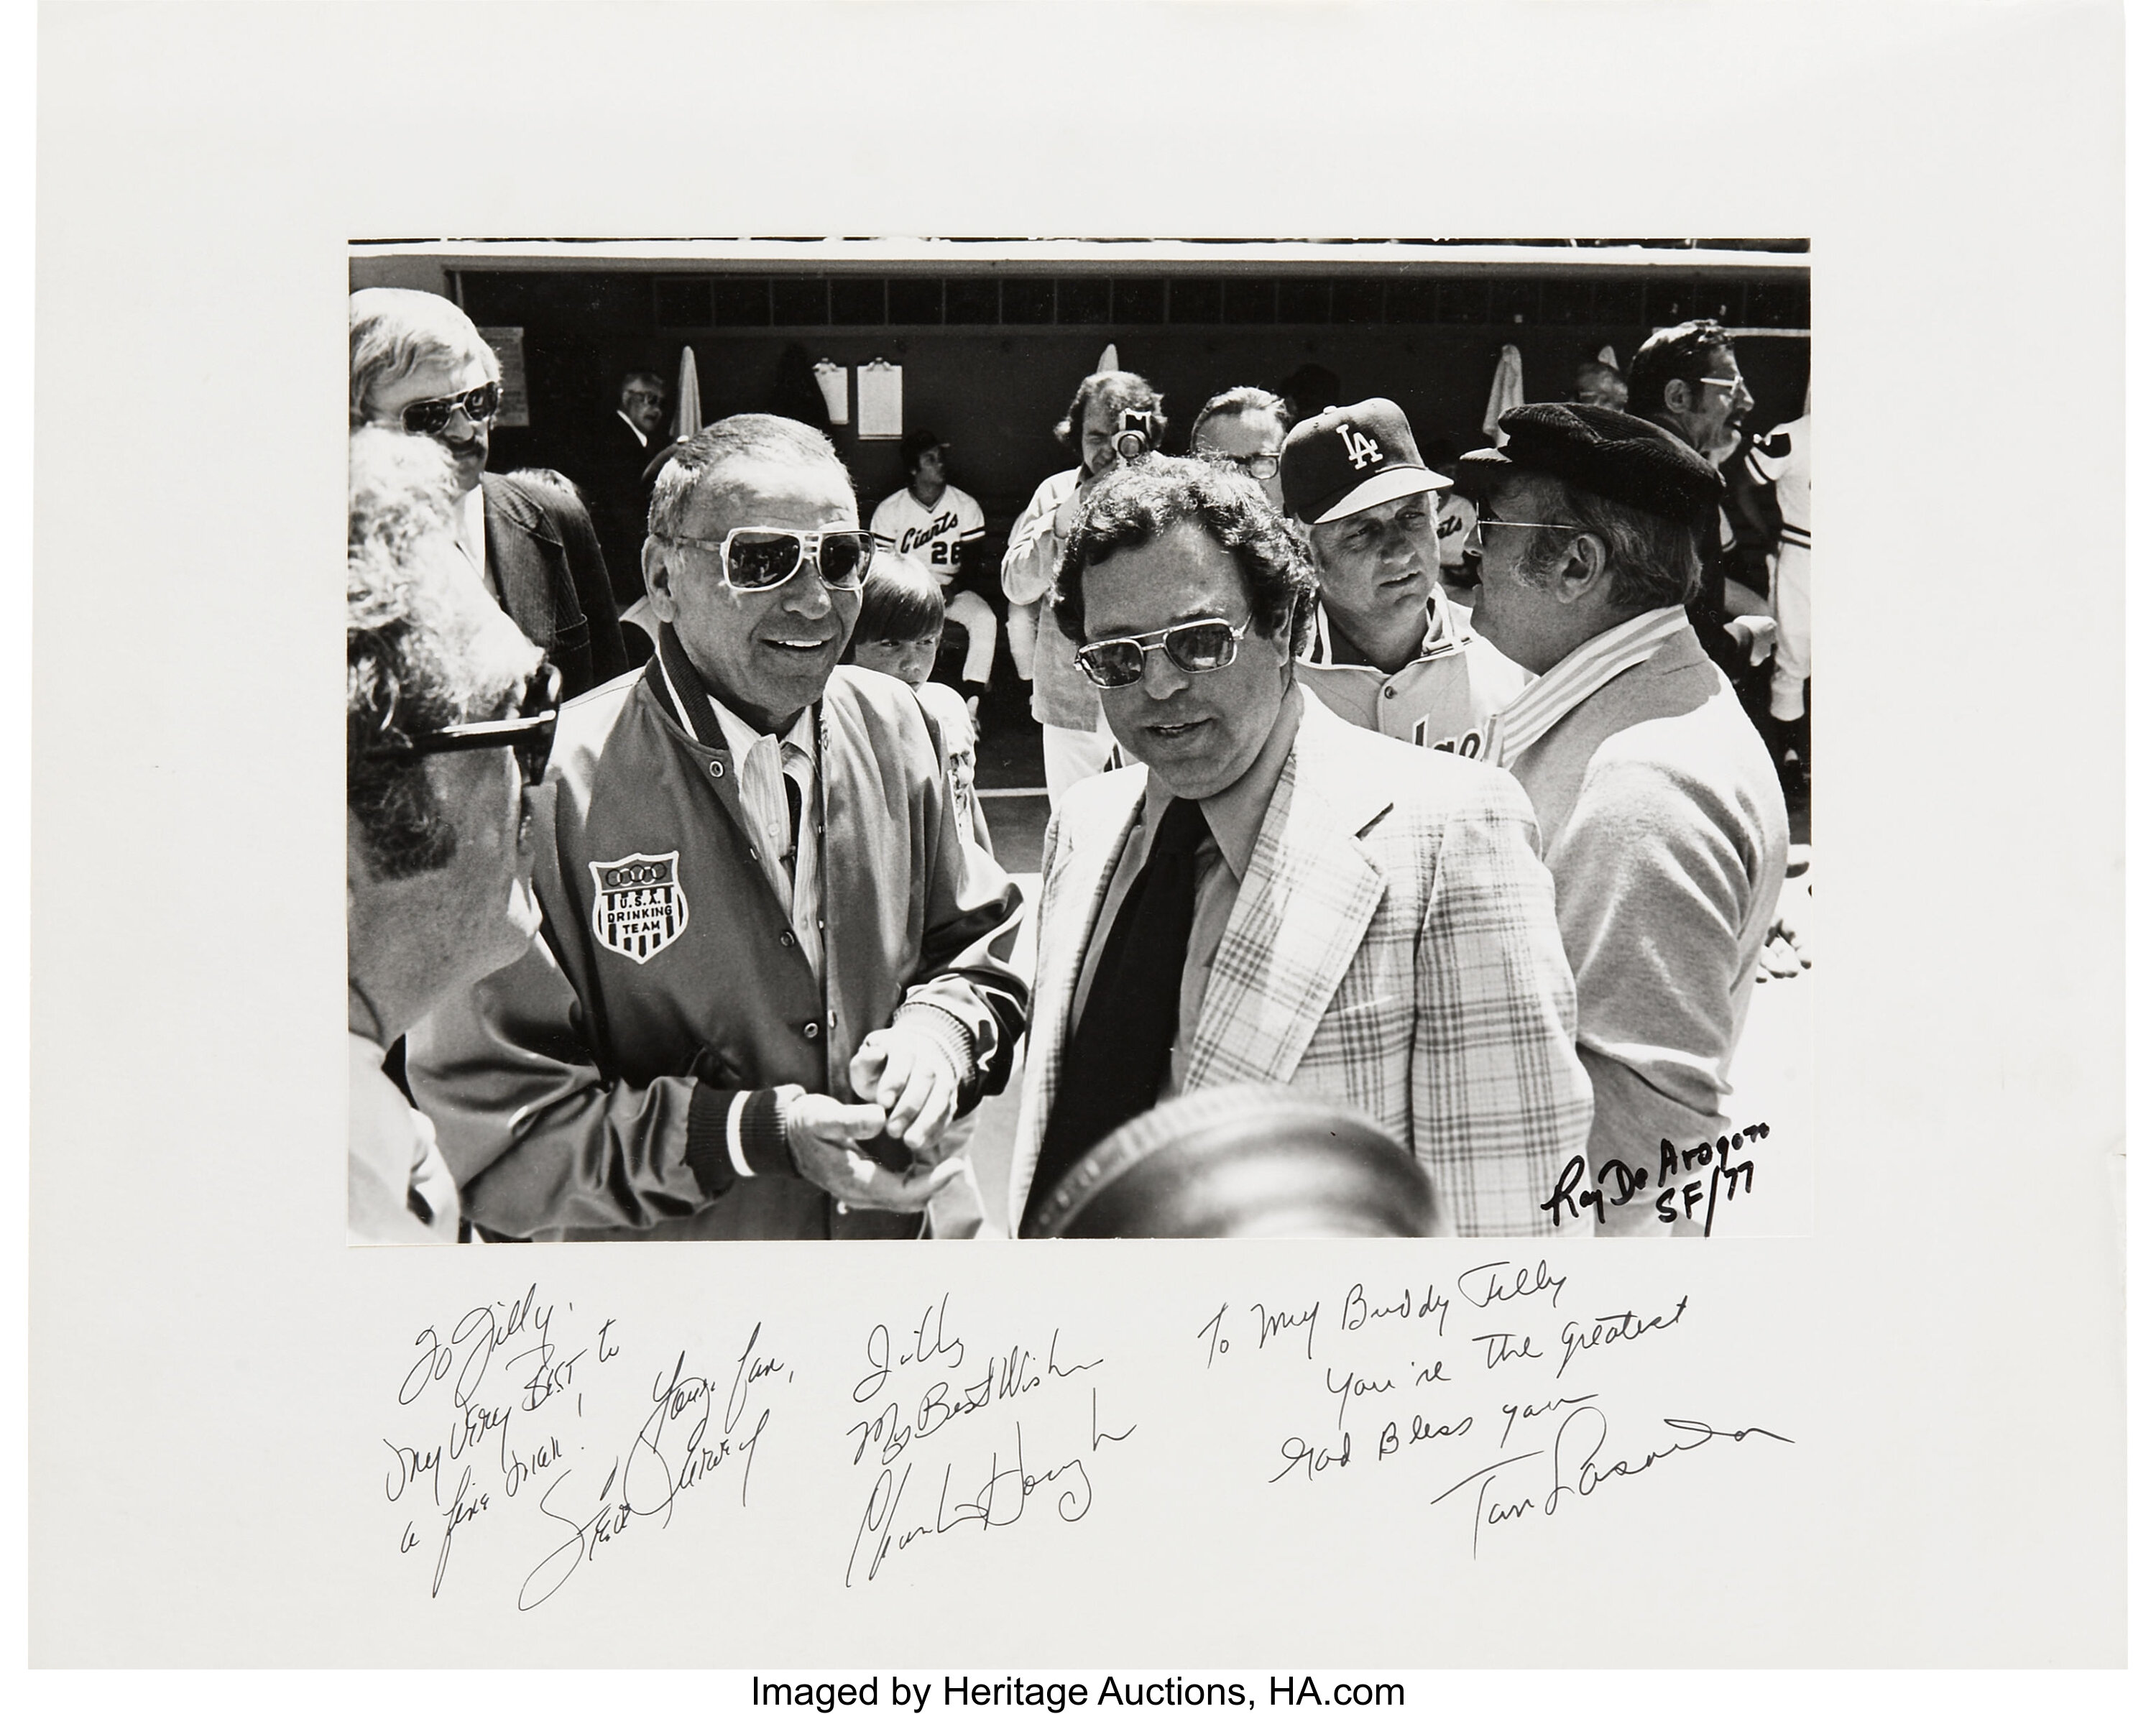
(1196,646)
(430,416)
(752,558)
(1260,466)
(530,733)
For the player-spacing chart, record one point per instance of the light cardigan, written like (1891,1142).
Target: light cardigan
(1662,821)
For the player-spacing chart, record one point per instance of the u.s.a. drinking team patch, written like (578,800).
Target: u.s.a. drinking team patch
(638,907)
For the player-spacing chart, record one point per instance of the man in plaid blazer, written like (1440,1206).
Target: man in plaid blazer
(1368,922)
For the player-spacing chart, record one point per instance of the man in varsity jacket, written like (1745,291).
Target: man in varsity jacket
(771,971)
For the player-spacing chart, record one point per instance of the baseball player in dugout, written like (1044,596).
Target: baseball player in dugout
(941,529)
(1661,813)
(1390,653)
(770,972)
(1272,895)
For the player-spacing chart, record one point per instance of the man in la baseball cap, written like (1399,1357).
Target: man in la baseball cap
(1391,655)
(1662,816)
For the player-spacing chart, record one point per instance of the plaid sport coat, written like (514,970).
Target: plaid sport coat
(1394,946)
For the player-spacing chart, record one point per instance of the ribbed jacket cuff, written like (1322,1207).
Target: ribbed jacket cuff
(953,1037)
(732,1128)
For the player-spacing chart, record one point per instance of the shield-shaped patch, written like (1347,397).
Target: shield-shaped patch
(638,907)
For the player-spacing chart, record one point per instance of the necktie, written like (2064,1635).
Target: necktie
(793,819)
(1113,1068)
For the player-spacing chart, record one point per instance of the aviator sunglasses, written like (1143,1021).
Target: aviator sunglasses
(530,733)
(761,557)
(1196,646)
(430,416)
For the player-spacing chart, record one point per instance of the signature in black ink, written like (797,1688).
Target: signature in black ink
(674,1450)
(1573,1467)
(1618,1181)
(998,1502)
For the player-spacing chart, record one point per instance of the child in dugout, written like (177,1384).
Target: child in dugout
(898,632)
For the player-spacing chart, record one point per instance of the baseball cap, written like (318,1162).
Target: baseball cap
(917,441)
(1349,458)
(1607,452)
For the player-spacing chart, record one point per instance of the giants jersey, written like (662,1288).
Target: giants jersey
(929,537)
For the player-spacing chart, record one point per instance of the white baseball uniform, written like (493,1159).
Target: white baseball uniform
(1783,457)
(931,537)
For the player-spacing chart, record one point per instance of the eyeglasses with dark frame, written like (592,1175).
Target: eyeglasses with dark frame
(756,557)
(1194,646)
(430,416)
(530,733)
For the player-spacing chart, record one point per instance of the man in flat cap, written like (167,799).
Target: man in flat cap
(1661,817)
(1391,653)
(771,971)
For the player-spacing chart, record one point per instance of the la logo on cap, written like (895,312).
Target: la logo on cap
(1362,450)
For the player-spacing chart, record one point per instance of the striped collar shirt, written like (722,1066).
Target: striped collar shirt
(1524,721)
(763,763)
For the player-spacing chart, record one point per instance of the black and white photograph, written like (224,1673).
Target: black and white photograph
(1157,623)
(1541,507)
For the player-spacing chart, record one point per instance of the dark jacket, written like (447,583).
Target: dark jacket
(542,552)
(614,482)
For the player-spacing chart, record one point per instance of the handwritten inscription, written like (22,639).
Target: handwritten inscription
(921,1387)
(1498,1394)
(1691,1184)
(495,1439)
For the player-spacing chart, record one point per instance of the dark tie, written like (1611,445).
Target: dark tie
(792,820)
(1118,1056)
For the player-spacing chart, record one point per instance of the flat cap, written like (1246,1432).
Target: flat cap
(1607,452)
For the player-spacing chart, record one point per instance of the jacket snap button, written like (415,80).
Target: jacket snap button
(786,940)
(751,853)
(718,770)
(808,1030)
(1389,692)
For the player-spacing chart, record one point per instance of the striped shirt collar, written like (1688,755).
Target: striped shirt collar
(1528,716)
